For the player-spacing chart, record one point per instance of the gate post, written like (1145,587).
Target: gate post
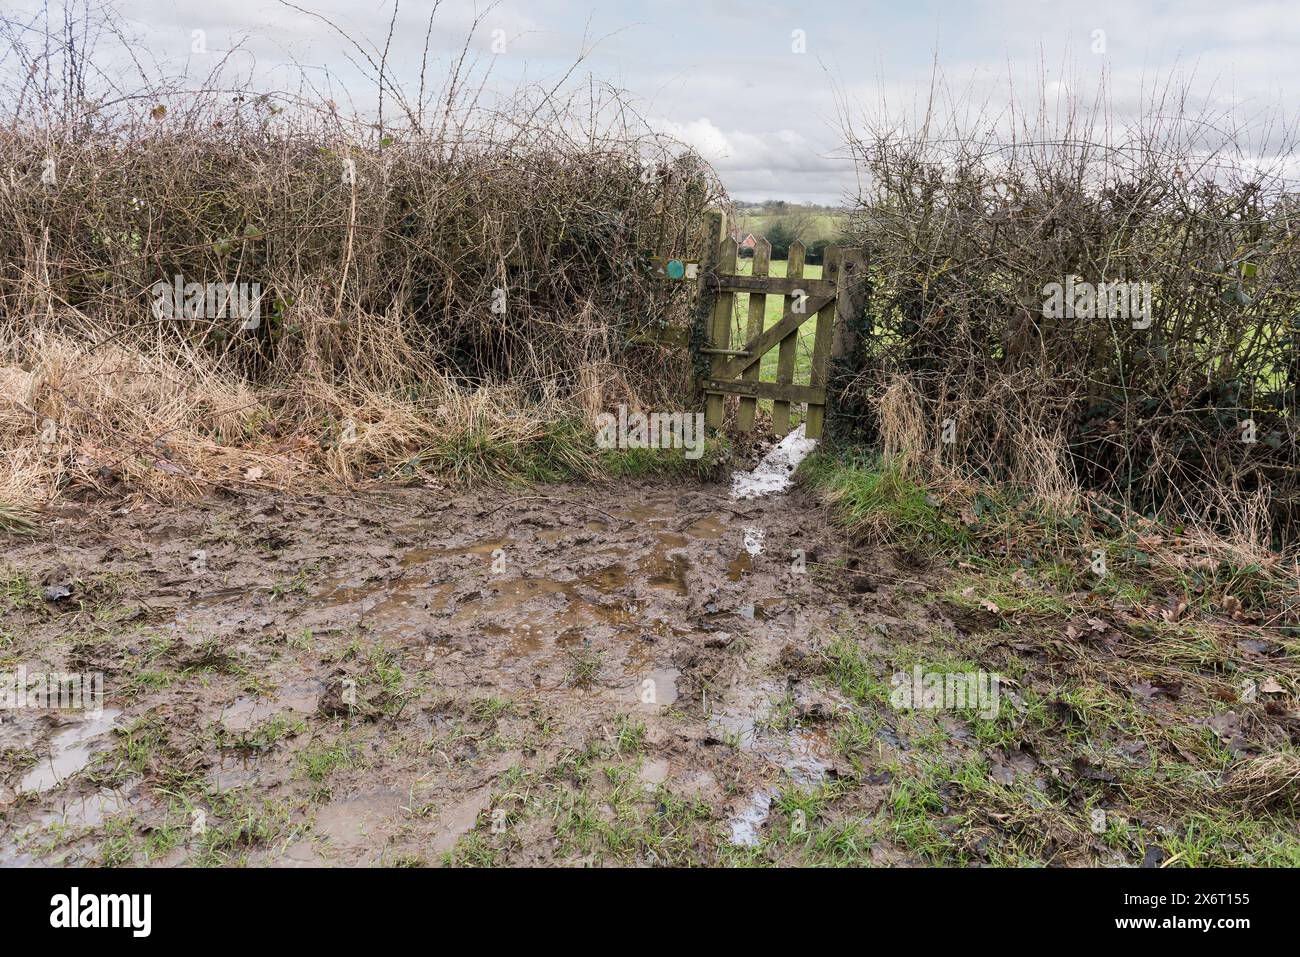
(757,311)
(705,295)
(850,314)
(817,376)
(789,345)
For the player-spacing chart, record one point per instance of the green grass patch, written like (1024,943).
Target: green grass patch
(873,497)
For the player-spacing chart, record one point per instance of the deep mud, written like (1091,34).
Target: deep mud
(617,674)
(442,647)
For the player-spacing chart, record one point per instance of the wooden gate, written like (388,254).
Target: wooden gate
(832,299)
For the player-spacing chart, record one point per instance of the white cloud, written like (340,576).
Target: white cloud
(721,75)
(782,163)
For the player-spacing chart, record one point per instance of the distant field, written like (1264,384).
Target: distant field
(825,225)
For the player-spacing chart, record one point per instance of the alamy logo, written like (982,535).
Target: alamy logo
(954,691)
(59,690)
(656,430)
(103,910)
(1104,300)
(179,299)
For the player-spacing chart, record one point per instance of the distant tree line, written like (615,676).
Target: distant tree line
(782,234)
(784,223)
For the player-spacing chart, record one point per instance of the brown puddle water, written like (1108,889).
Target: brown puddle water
(70,750)
(529,617)
(248,712)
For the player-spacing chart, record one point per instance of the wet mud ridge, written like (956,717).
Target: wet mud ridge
(371,676)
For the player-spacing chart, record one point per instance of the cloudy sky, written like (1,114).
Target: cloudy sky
(756,85)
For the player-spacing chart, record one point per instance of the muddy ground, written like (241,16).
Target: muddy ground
(623,674)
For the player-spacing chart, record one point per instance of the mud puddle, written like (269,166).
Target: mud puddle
(69,751)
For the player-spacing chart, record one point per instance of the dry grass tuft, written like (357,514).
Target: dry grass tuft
(1268,781)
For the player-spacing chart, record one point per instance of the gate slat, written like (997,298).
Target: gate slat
(768,390)
(715,402)
(757,310)
(775,285)
(789,345)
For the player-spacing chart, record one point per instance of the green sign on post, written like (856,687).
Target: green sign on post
(675,269)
